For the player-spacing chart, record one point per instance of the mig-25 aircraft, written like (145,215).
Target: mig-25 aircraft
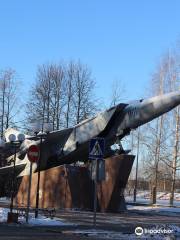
(71,145)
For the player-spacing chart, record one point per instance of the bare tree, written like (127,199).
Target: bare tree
(46,96)
(117,93)
(57,100)
(9,89)
(70,78)
(163,151)
(84,104)
(155,137)
(174,81)
(62,95)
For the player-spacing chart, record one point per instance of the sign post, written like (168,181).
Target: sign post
(95,193)
(96,153)
(33,156)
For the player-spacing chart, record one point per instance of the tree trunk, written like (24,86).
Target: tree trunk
(175,158)
(157,158)
(3,108)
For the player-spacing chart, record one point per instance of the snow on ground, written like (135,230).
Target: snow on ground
(101,234)
(154,208)
(3,214)
(161,210)
(162,198)
(41,220)
(147,201)
(4,199)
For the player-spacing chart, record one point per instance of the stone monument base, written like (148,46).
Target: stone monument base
(71,187)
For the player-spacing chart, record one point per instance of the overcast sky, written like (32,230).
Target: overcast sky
(118,40)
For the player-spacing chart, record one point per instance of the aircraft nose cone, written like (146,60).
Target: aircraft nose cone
(167,102)
(156,106)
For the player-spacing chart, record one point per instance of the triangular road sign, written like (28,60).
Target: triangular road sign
(96,148)
(96,151)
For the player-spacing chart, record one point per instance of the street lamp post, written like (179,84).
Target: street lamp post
(41,133)
(15,142)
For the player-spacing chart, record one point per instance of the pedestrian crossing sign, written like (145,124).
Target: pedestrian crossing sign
(96,148)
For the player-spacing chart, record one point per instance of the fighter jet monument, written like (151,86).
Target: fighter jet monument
(71,145)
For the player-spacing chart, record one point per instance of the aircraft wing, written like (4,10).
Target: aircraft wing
(91,128)
(59,136)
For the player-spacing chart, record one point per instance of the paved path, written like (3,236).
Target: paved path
(118,223)
(127,221)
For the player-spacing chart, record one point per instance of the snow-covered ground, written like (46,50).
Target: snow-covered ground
(156,208)
(4,199)
(41,220)
(168,211)
(147,233)
(162,198)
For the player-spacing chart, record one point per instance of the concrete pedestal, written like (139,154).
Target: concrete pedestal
(71,187)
